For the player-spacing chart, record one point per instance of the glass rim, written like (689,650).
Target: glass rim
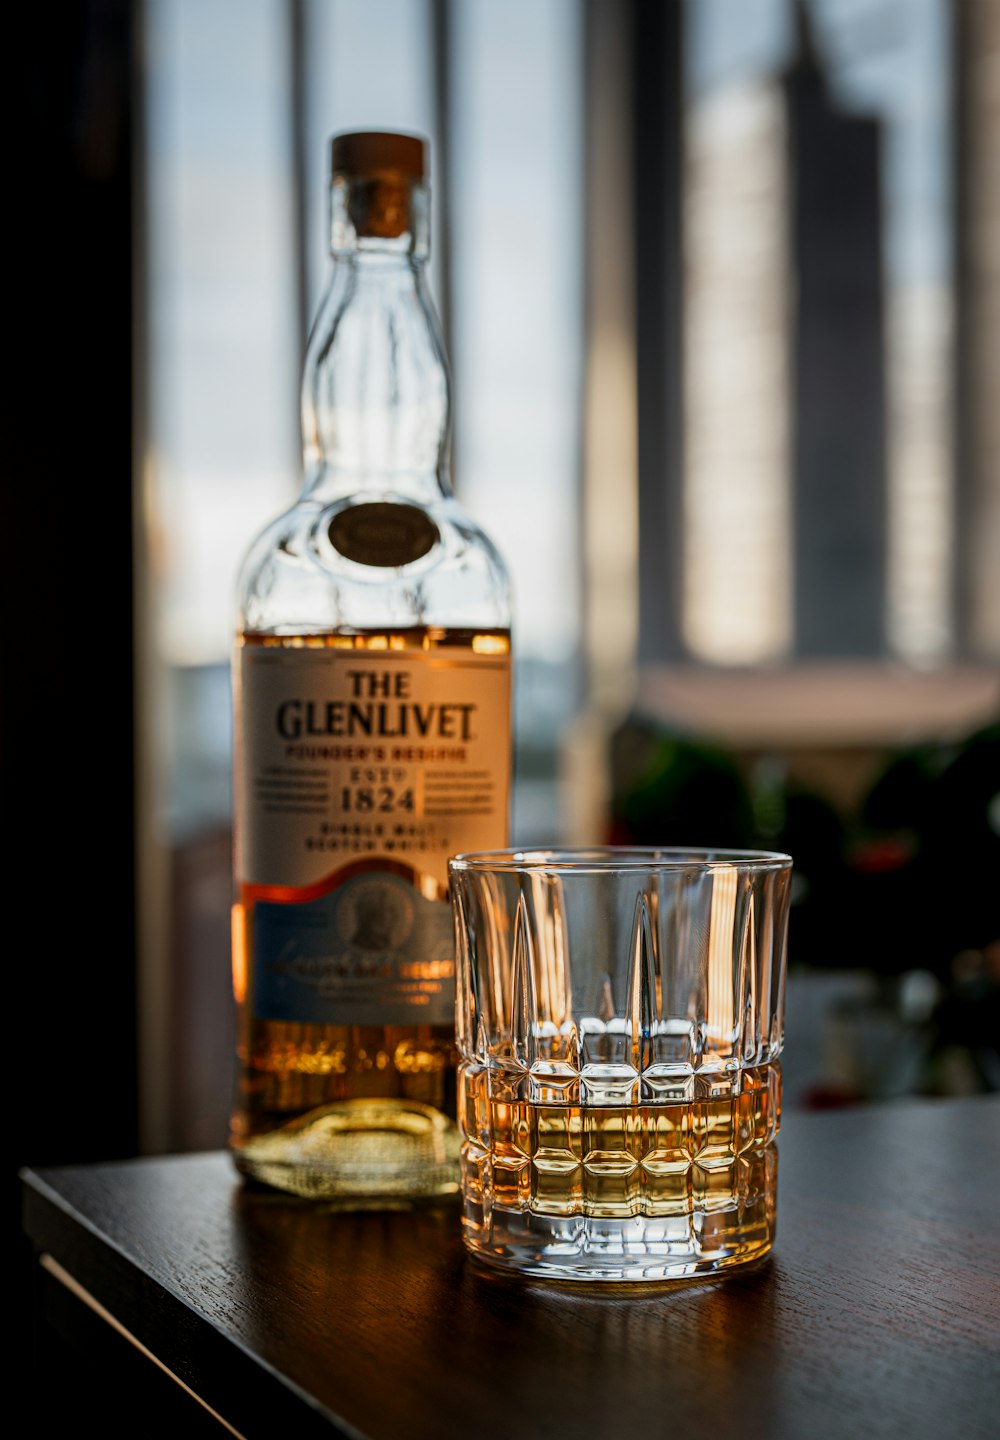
(611,859)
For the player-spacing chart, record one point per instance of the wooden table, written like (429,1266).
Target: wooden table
(877,1315)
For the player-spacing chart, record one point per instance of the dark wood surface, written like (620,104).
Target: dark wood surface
(878,1315)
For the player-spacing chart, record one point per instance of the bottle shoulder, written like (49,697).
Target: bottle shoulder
(408,561)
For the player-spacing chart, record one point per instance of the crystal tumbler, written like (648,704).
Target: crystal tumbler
(620,1018)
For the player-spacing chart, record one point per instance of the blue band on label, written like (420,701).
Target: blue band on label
(374,951)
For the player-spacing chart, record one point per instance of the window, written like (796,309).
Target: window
(697,458)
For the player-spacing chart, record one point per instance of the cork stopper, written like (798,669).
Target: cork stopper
(362,154)
(377,172)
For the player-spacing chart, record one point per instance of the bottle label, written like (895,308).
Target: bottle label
(373,951)
(359,772)
(383,534)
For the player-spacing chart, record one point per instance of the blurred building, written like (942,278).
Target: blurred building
(837,369)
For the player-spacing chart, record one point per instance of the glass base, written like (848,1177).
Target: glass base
(617,1251)
(360,1154)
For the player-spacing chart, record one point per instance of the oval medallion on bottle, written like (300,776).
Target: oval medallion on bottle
(383,534)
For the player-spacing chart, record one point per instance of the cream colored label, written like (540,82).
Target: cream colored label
(345,755)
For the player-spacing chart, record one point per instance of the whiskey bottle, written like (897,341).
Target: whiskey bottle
(371,709)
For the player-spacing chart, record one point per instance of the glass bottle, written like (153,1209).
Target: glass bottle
(371,705)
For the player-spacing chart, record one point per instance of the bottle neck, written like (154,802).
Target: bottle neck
(379,213)
(376,388)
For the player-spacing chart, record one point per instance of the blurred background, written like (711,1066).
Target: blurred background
(720,282)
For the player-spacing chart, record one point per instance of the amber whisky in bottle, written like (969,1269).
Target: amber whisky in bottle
(371,704)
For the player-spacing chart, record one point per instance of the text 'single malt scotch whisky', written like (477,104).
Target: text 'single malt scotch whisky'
(372,702)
